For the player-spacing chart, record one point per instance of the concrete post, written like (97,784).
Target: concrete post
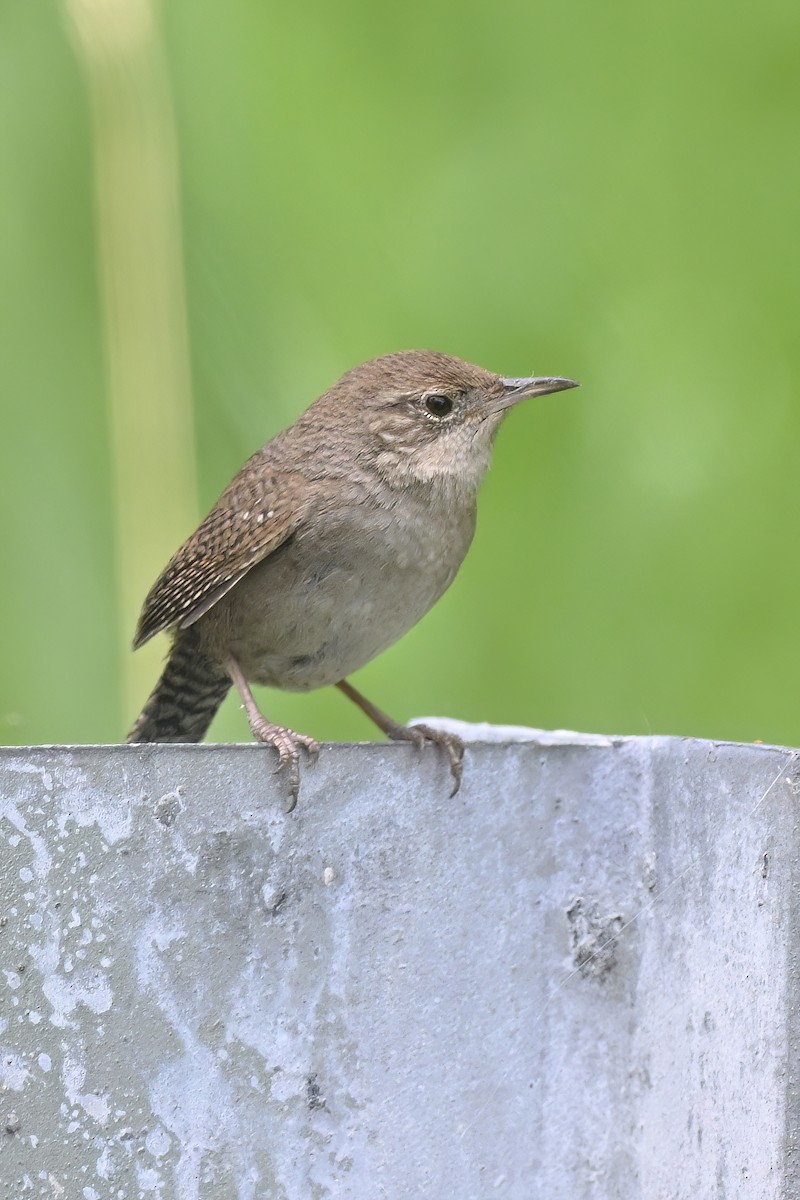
(576,979)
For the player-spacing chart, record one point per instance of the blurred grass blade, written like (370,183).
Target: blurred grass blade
(140,262)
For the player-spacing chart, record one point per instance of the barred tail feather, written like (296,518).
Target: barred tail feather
(186,697)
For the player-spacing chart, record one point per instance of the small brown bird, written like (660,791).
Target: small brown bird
(332,541)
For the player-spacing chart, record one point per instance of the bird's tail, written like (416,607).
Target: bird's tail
(186,697)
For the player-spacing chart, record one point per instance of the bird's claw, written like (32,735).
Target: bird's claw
(451,743)
(288,744)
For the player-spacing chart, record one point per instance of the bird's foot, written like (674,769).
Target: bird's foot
(452,745)
(288,744)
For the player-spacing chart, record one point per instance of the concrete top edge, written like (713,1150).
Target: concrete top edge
(477,736)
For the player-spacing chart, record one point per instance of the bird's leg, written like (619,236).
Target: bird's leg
(286,741)
(418,734)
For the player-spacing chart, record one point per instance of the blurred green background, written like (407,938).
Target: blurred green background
(610,192)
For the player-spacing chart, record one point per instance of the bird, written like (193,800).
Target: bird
(331,542)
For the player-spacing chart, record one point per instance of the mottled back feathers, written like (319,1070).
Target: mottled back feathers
(255,515)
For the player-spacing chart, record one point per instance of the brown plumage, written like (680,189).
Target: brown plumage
(255,514)
(330,543)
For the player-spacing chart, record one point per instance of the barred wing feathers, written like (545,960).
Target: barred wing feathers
(255,515)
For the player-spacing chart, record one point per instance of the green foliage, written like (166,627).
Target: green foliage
(606,192)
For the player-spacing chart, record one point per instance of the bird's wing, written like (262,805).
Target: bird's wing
(255,515)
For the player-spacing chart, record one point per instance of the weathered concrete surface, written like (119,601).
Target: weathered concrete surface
(577,979)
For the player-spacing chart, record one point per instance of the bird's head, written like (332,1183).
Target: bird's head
(424,415)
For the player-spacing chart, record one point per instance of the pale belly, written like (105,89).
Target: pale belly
(326,604)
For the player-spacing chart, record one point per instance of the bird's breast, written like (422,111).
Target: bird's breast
(349,583)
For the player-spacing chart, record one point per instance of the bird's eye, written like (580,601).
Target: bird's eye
(438,406)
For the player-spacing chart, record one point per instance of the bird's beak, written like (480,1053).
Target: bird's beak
(540,385)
